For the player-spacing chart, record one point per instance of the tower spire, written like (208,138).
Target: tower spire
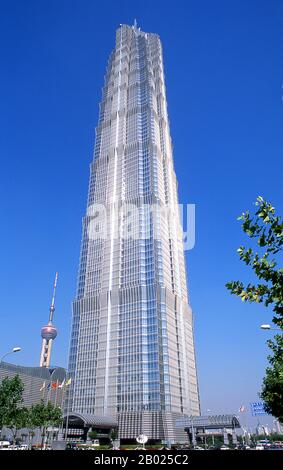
(52,306)
(48,332)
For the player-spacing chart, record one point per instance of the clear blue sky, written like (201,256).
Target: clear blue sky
(224,74)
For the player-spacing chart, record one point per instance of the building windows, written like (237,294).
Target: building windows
(126,349)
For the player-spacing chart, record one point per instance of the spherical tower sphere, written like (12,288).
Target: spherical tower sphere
(48,332)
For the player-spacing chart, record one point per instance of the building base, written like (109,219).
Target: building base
(158,426)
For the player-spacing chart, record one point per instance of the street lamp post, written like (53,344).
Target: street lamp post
(14,350)
(268,327)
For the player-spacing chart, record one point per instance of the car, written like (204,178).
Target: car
(224,447)
(259,447)
(23,447)
(4,445)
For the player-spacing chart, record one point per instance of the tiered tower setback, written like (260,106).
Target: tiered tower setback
(132,349)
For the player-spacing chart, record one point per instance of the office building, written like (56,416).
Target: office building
(132,351)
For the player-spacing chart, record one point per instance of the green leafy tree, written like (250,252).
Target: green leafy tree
(11,398)
(276,437)
(92,435)
(266,228)
(272,389)
(24,436)
(114,434)
(31,435)
(16,420)
(30,428)
(44,415)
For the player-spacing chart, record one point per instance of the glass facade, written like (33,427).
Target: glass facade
(132,351)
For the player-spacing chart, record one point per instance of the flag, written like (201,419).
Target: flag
(48,386)
(69,381)
(62,384)
(42,387)
(54,385)
(242,409)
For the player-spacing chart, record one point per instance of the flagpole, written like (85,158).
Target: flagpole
(243,411)
(43,390)
(50,386)
(52,432)
(50,390)
(63,393)
(246,427)
(68,383)
(63,386)
(56,393)
(67,419)
(67,424)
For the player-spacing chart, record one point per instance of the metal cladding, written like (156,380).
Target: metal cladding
(90,420)
(132,348)
(37,382)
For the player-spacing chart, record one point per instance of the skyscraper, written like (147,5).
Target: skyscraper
(132,350)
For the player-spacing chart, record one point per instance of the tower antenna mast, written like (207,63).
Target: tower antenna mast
(52,306)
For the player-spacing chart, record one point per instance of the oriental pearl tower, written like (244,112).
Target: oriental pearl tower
(48,332)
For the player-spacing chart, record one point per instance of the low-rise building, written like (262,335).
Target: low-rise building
(39,382)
